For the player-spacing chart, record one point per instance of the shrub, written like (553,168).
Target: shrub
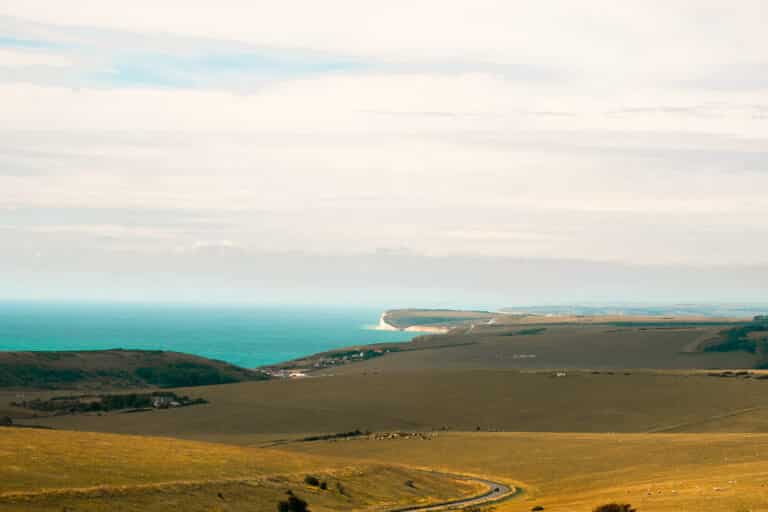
(323,485)
(615,507)
(537,508)
(311,480)
(292,504)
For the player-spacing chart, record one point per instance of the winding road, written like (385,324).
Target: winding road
(496,491)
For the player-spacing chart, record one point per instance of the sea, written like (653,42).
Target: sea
(247,336)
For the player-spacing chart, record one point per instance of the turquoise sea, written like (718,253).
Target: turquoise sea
(248,336)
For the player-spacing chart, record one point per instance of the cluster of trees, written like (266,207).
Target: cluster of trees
(187,374)
(29,375)
(104,403)
(174,375)
(339,435)
(526,332)
(738,338)
(361,354)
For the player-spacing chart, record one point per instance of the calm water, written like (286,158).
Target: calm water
(243,335)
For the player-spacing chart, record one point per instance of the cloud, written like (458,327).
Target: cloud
(119,58)
(214,247)
(598,131)
(271,166)
(25,59)
(604,42)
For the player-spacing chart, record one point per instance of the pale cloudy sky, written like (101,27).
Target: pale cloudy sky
(236,149)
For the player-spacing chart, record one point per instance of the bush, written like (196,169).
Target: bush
(323,485)
(292,504)
(311,480)
(537,508)
(615,507)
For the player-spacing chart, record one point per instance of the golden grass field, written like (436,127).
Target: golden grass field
(58,470)
(576,472)
(53,470)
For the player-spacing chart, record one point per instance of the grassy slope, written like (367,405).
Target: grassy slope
(576,472)
(45,470)
(461,400)
(99,369)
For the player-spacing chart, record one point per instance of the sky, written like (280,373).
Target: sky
(425,153)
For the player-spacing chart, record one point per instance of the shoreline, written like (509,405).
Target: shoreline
(384,325)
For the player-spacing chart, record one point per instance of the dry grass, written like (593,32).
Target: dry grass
(576,472)
(47,470)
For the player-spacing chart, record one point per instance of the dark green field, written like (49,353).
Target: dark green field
(114,369)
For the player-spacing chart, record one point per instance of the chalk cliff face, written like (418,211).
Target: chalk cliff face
(386,324)
(433,321)
(383,325)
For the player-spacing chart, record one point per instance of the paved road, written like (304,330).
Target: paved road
(496,491)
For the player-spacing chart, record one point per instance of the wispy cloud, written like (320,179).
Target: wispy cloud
(120,58)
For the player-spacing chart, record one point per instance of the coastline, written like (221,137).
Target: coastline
(304,366)
(249,336)
(384,325)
